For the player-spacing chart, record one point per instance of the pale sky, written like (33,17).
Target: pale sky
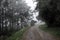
(32,6)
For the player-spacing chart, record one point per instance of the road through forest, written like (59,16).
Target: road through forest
(34,33)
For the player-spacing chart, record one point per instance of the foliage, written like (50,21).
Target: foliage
(54,31)
(12,16)
(18,35)
(33,22)
(49,11)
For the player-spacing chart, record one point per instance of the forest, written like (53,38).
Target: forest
(13,17)
(49,12)
(21,18)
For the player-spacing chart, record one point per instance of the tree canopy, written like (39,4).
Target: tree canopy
(12,13)
(49,11)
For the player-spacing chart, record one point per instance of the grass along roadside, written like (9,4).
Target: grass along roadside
(54,31)
(18,35)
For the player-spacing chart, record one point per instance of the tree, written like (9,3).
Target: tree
(50,13)
(10,15)
(33,22)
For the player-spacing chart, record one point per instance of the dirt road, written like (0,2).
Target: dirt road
(35,34)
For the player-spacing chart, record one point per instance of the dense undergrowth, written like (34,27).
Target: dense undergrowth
(54,31)
(18,35)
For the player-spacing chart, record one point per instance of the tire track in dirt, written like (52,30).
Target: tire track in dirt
(34,33)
